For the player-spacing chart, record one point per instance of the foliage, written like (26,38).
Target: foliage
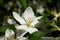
(8,6)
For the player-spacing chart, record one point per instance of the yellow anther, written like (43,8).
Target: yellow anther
(29,21)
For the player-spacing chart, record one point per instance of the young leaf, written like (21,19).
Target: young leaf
(23,3)
(3,28)
(36,35)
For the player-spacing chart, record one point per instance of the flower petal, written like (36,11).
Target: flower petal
(32,30)
(28,13)
(2,38)
(21,30)
(21,27)
(11,21)
(40,9)
(18,18)
(21,38)
(34,22)
(39,17)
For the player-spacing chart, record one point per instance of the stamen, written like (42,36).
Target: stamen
(29,21)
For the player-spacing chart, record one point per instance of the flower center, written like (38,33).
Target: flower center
(28,22)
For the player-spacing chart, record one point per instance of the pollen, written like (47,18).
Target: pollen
(29,21)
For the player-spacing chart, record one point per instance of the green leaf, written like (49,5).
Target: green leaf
(3,28)
(23,3)
(46,14)
(36,35)
(46,20)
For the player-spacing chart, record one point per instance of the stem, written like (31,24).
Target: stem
(56,27)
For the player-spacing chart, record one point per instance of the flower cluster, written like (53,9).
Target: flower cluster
(28,21)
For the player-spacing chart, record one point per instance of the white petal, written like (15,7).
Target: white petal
(21,27)
(39,17)
(23,33)
(32,30)
(22,38)
(11,21)
(40,9)
(2,38)
(9,33)
(18,18)
(20,33)
(28,13)
(34,22)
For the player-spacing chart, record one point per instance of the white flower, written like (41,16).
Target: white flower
(27,21)
(40,9)
(9,34)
